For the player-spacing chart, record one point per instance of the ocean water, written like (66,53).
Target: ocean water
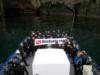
(86,32)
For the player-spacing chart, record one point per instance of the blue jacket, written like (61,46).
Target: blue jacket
(77,60)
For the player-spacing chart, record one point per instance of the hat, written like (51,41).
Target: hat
(17,52)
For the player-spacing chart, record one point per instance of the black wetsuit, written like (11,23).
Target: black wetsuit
(17,69)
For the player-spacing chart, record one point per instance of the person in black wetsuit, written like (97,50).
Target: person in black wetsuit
(22,53)
(21,69)
(16,68)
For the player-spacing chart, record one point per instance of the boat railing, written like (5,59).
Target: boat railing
(3,66)
(95,68)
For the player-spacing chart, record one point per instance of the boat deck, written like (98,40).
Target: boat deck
(29,61)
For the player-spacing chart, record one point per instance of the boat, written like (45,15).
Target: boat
(51,59)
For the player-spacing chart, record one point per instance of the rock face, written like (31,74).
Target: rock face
(98,2)
(38,3)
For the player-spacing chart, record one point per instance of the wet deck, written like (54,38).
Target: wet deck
(29,68)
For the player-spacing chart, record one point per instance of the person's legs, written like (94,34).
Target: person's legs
(78,70)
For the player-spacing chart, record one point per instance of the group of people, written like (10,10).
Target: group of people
(16,67)
(26,49)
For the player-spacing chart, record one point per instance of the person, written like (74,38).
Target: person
(10,70)
(21,69)
(87,60)
(22,53)
(53,34)
(18,55)
(12,66)
(71,51)
(77,58)
(16,68)
(31,45)
(78,63)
